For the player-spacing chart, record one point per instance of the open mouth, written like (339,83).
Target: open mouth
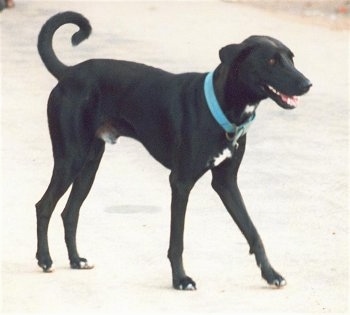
(283,100)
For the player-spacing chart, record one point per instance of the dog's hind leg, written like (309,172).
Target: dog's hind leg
(62,177)
(80,189)
(224,183)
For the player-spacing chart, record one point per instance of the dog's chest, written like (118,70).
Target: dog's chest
(221,156)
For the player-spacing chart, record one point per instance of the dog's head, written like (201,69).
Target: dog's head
(264,66)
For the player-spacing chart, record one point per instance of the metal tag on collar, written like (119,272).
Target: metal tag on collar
(239,131)
(235,137)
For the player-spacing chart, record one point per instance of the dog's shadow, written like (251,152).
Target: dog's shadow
(131,209)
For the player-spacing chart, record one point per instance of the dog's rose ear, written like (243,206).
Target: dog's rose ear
(228,53)
(231,53)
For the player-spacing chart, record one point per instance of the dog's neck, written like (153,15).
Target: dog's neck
(238,108)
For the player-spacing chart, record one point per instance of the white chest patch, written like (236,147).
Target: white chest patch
(226,154)
(249,109)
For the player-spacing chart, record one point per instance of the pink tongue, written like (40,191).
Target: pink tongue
(290,100)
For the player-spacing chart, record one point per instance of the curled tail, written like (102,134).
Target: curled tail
(48,56)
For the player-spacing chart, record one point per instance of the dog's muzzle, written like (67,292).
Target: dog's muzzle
(288,101)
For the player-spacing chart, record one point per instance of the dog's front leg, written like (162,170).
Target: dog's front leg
(180,194)
(225,184)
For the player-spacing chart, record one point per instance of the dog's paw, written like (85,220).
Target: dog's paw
(280,282)
(186,284)
(81,263)
(47,267)
(45,263)
(273,278)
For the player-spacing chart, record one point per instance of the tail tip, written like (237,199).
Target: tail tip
(81,35)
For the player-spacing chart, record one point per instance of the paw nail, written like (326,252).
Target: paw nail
(190,286)
(86,265)
(283,283)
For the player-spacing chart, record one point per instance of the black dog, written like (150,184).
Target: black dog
(190,122)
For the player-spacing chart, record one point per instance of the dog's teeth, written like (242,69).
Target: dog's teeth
(273,90)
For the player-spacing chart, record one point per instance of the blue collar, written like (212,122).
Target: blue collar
(233,131)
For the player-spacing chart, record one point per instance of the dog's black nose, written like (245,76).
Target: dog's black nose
(305,85)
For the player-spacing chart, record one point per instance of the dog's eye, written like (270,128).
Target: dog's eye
(272,61)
